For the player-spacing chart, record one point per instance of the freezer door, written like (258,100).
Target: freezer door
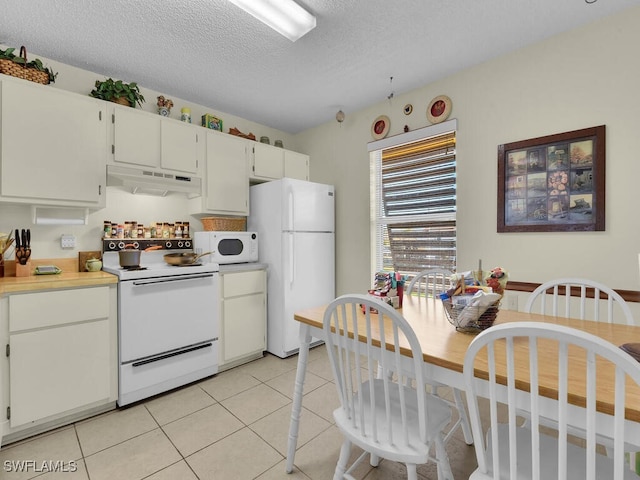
(307,206)
(309,278)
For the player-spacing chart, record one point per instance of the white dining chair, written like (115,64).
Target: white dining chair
(385,418)
(555,298)
(513,450)
(430,283)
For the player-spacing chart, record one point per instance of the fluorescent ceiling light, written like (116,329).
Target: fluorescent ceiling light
(285,16)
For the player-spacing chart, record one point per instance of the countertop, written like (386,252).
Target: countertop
(243,267)
(61,280)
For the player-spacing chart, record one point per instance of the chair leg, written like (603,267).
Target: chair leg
(341,467)
(444,469)
(464,418)
(412,471)
(374,460)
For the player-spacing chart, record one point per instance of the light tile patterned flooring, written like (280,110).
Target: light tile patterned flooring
(232,426)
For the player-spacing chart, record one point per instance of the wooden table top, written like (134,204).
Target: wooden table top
(442,345)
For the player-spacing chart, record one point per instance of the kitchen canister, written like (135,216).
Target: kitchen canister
(185,114)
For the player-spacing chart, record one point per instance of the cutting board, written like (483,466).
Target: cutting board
(84,256)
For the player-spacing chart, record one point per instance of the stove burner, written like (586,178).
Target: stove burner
(133,268)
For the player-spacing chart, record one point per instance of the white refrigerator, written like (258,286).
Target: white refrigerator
(295,223)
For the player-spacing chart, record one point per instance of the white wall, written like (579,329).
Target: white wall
(579,79)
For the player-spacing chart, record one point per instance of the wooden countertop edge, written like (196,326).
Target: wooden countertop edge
(52,282)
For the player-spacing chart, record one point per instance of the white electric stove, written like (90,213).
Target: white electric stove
(167,322)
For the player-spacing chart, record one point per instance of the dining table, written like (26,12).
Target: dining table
(444,350)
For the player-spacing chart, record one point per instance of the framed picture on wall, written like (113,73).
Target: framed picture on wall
(554,183)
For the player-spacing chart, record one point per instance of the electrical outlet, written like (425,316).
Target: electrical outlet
(512,302)
(68,241)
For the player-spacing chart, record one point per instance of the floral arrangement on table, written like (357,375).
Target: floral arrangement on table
(473,303)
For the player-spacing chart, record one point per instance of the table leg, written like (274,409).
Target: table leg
(296,408)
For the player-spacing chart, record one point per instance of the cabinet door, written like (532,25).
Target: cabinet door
(227,188)
(136,137)
(244,326)
(179,146)
(53,145)
(268,161)
(296,165)
(58,369)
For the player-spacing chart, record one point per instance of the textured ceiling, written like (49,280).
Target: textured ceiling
(212,53)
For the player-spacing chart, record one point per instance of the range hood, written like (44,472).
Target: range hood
(150,182)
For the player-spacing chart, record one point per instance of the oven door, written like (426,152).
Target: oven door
(160,315)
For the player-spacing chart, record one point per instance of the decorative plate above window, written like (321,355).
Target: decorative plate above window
(439,109)
(380,127)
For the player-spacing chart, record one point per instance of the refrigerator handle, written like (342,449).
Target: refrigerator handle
(292,267)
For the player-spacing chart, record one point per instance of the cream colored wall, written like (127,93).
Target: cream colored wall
(579,79)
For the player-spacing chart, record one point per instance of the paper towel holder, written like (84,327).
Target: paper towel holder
(47,215)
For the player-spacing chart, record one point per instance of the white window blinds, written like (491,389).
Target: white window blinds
(413,211)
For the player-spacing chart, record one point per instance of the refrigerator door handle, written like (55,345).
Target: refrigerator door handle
(292,267)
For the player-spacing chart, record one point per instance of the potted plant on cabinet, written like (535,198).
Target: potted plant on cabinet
(119,92)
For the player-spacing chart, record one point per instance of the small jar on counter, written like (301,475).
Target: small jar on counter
(178,230)
(185,230)
(107,229)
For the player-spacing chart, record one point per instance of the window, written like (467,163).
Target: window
(413,200)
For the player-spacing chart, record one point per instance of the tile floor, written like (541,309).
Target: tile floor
(232,426)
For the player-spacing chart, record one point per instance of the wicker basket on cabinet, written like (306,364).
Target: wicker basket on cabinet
(224,224)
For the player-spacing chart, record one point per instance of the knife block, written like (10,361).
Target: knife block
(23,270)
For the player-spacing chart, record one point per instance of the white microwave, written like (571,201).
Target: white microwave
(227,247)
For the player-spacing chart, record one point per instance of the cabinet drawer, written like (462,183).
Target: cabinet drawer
(243,283)
(53,308)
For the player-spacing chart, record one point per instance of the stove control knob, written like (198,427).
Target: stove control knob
(180,244)
(187,244)
(169,245)
(111,246)
(120,245)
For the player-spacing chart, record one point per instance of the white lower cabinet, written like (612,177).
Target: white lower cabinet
(61,348)
(243,308)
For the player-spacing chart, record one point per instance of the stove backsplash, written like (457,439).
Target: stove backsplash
(145,209)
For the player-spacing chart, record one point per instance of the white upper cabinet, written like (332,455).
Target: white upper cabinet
(268,162)
(148,140)
(53,146)
(296,165)
(226,187)
(136,137)
(179,145)
(272,163)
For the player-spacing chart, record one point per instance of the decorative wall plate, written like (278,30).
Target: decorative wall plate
(380,127)
(408,108)
(439,109)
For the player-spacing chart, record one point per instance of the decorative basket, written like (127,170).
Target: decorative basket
(9,67)
(224,224)
(470,319)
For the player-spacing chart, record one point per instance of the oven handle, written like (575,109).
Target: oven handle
(154,281)
(169,355)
